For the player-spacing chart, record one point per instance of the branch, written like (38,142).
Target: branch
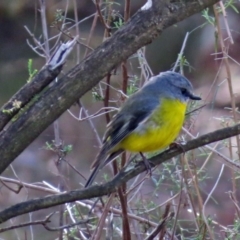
(25,224)
(44,223)
(123,176)
(30,90)
(140,30)
(26,94)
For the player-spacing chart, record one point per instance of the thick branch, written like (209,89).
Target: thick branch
(26,93)
(140,30)
(124,175)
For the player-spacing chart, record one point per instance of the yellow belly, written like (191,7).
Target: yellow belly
(159,131)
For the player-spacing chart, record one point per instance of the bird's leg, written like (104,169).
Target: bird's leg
(147,164)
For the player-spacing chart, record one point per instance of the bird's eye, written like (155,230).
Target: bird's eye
(184,91)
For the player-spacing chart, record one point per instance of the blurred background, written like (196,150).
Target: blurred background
(206,71)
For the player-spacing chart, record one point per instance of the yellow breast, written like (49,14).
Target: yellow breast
(159,130)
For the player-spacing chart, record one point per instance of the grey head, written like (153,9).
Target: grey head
(171,85)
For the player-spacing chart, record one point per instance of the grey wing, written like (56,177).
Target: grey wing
(123,123)
(117,130)
(134,112)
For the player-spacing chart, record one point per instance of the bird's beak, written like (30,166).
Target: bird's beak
(193,97)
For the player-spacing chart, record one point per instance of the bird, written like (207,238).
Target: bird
(149,120)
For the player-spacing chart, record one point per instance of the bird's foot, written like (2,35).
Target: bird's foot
(147,164)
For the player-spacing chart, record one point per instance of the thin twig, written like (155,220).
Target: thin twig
(11,189)
(99,229)
(160,227)
(37,222)
(181,52)
(36,42)
(44,27)
(97,4)
(226,22)
(97,114)
(94,23)
(206,201)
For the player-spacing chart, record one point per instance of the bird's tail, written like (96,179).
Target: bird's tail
(92,176)
(99,159)
(98,164)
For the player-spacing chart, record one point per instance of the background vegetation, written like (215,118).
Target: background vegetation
(192,196)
